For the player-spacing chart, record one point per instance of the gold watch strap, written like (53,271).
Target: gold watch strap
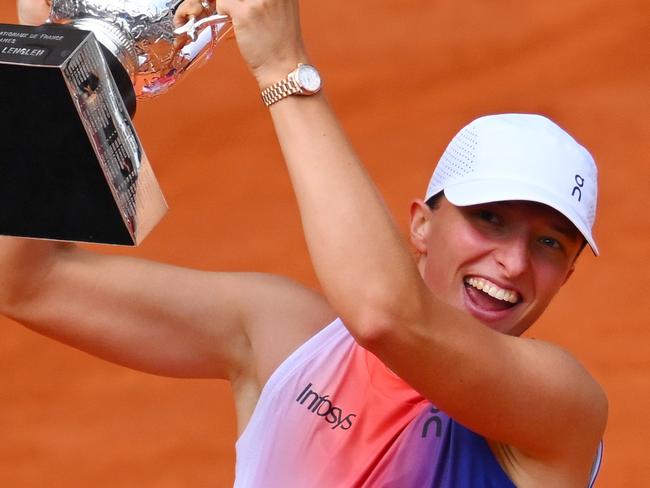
(282,89)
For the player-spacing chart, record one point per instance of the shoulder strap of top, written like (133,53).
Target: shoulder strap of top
(595,468)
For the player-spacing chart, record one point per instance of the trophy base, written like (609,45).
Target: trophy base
(71,165)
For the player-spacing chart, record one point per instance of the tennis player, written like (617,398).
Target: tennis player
(404,373)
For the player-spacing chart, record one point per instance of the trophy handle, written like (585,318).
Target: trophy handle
(194,27)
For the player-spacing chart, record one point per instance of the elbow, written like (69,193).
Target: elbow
(24,271)
(381,316)
(378,328)
(15,295)
(371,328)
(12,301)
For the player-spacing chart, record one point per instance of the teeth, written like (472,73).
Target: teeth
(493,290)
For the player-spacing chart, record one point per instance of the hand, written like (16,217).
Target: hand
(187,10)
(33,12)
(193,8)
(268,35)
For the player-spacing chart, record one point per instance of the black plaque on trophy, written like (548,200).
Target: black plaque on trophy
(71,165)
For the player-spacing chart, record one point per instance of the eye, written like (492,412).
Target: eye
(550,242)
(488,216)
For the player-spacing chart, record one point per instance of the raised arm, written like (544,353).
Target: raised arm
(154,317)
(150,316)
(533,396)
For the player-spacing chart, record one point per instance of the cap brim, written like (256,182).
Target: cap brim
(476,191)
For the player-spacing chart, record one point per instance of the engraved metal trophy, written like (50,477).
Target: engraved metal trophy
(72,167)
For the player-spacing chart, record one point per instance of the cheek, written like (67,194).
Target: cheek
(549,278)
(434,275)
(448,250)
(465,245)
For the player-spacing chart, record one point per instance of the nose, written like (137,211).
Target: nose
(513,256)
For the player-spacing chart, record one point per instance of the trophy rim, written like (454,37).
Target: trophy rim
(114,39)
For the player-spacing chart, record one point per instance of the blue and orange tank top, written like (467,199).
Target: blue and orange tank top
(334,416)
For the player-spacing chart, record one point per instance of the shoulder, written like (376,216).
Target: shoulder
(574,427)
(581,405)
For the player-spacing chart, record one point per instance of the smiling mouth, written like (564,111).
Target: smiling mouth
(488,296)
(493,290)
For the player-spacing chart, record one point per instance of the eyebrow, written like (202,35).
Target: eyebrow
(569,230)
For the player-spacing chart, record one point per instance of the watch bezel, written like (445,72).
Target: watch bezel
(304,89)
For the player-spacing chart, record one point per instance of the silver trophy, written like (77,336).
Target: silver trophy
(71,164)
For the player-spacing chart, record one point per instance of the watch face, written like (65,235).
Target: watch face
(308,78)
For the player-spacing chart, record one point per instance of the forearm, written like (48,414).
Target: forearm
(361,260)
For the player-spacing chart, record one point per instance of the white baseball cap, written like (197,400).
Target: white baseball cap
(519,157)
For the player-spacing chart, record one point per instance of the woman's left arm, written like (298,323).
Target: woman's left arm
(523,393)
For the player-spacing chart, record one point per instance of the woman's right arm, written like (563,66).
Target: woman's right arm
(156,317)
(145,315)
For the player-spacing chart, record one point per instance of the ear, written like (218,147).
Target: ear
(420,215)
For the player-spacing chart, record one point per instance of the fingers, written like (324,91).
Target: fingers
(193,8)
(33,12)
(268,35)
(268,32)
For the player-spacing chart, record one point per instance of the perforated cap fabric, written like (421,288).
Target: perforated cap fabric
(520,157)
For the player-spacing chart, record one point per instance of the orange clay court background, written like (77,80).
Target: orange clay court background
(403,77)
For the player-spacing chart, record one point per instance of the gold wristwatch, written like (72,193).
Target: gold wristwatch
(304,80)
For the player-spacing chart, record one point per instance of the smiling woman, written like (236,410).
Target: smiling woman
(400,373)
(494,259)
(503,225)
